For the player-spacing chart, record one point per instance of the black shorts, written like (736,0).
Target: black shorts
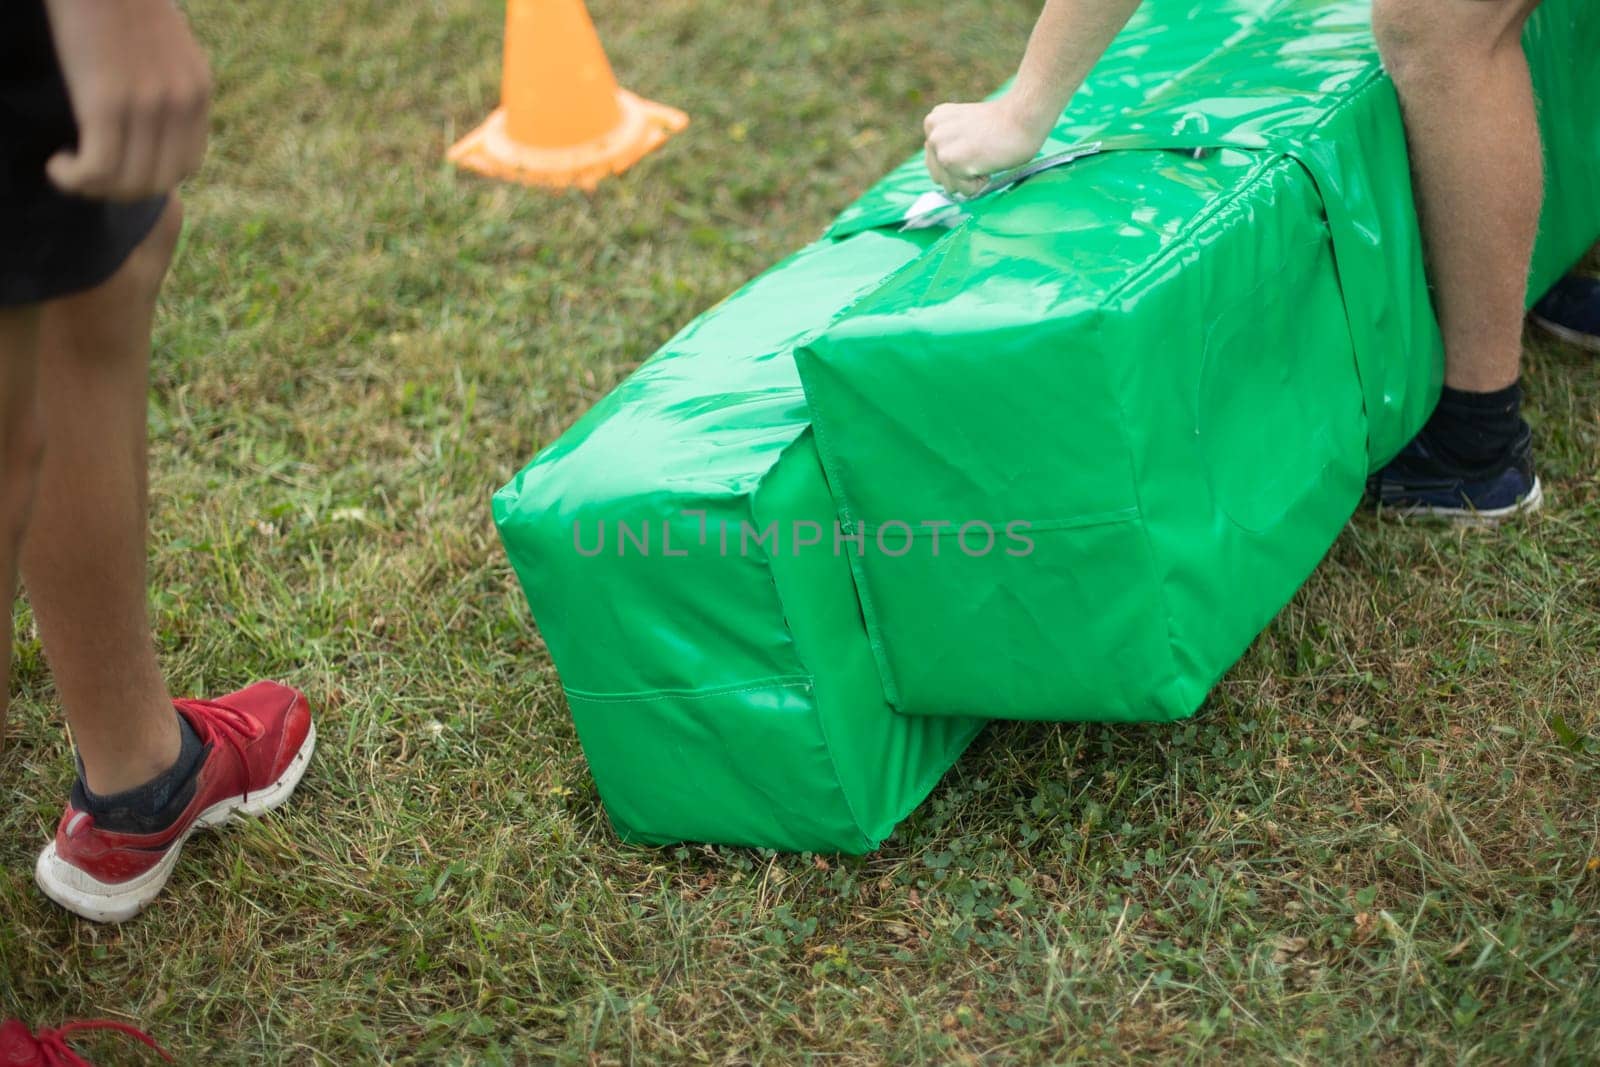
(51,244)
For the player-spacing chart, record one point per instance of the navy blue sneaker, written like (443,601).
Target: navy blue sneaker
(1416,483)
(1571,311)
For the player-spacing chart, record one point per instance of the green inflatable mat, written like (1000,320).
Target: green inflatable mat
(1060,454)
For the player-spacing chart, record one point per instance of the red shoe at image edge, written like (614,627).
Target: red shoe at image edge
(21,1047)
(260,740)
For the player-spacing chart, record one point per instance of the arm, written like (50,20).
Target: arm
(968,142)
(140,89)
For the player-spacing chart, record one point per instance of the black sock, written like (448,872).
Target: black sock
(1477,432)
(154,806)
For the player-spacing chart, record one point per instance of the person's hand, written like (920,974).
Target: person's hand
(140,90)
(968,142)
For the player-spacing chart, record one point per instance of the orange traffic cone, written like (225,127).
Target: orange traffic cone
(562,120)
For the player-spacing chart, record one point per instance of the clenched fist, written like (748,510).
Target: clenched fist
(140,89)
(968,142)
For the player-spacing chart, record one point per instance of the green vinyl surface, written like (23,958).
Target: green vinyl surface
(1062,458)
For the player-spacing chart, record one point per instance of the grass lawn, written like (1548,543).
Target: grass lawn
(1378,841)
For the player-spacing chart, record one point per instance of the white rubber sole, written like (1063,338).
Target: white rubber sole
(1530,503)
(88,897)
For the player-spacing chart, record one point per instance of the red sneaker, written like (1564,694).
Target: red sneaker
(259,742)
(21,1047)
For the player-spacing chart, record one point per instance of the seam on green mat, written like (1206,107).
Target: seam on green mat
(1296,152)
(751,685)
(844,507)
(816,700)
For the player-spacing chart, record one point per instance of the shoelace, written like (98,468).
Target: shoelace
(214,723)
(21,1047)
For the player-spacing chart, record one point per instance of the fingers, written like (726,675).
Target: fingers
(166,141)
(964,180)
(960,186)
(952,181)
(950,155)
(182,143)
(92,169)
(952,176)
(194,146)
(937,116)
(143,148)
(197,116)
(140,154)
(936,170)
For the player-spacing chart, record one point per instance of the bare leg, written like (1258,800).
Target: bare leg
(1468,103)
(84,557)
(21,442)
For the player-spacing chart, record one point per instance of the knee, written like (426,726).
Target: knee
(1397,28)
(148,264)
(1426,42)
(1410,39)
